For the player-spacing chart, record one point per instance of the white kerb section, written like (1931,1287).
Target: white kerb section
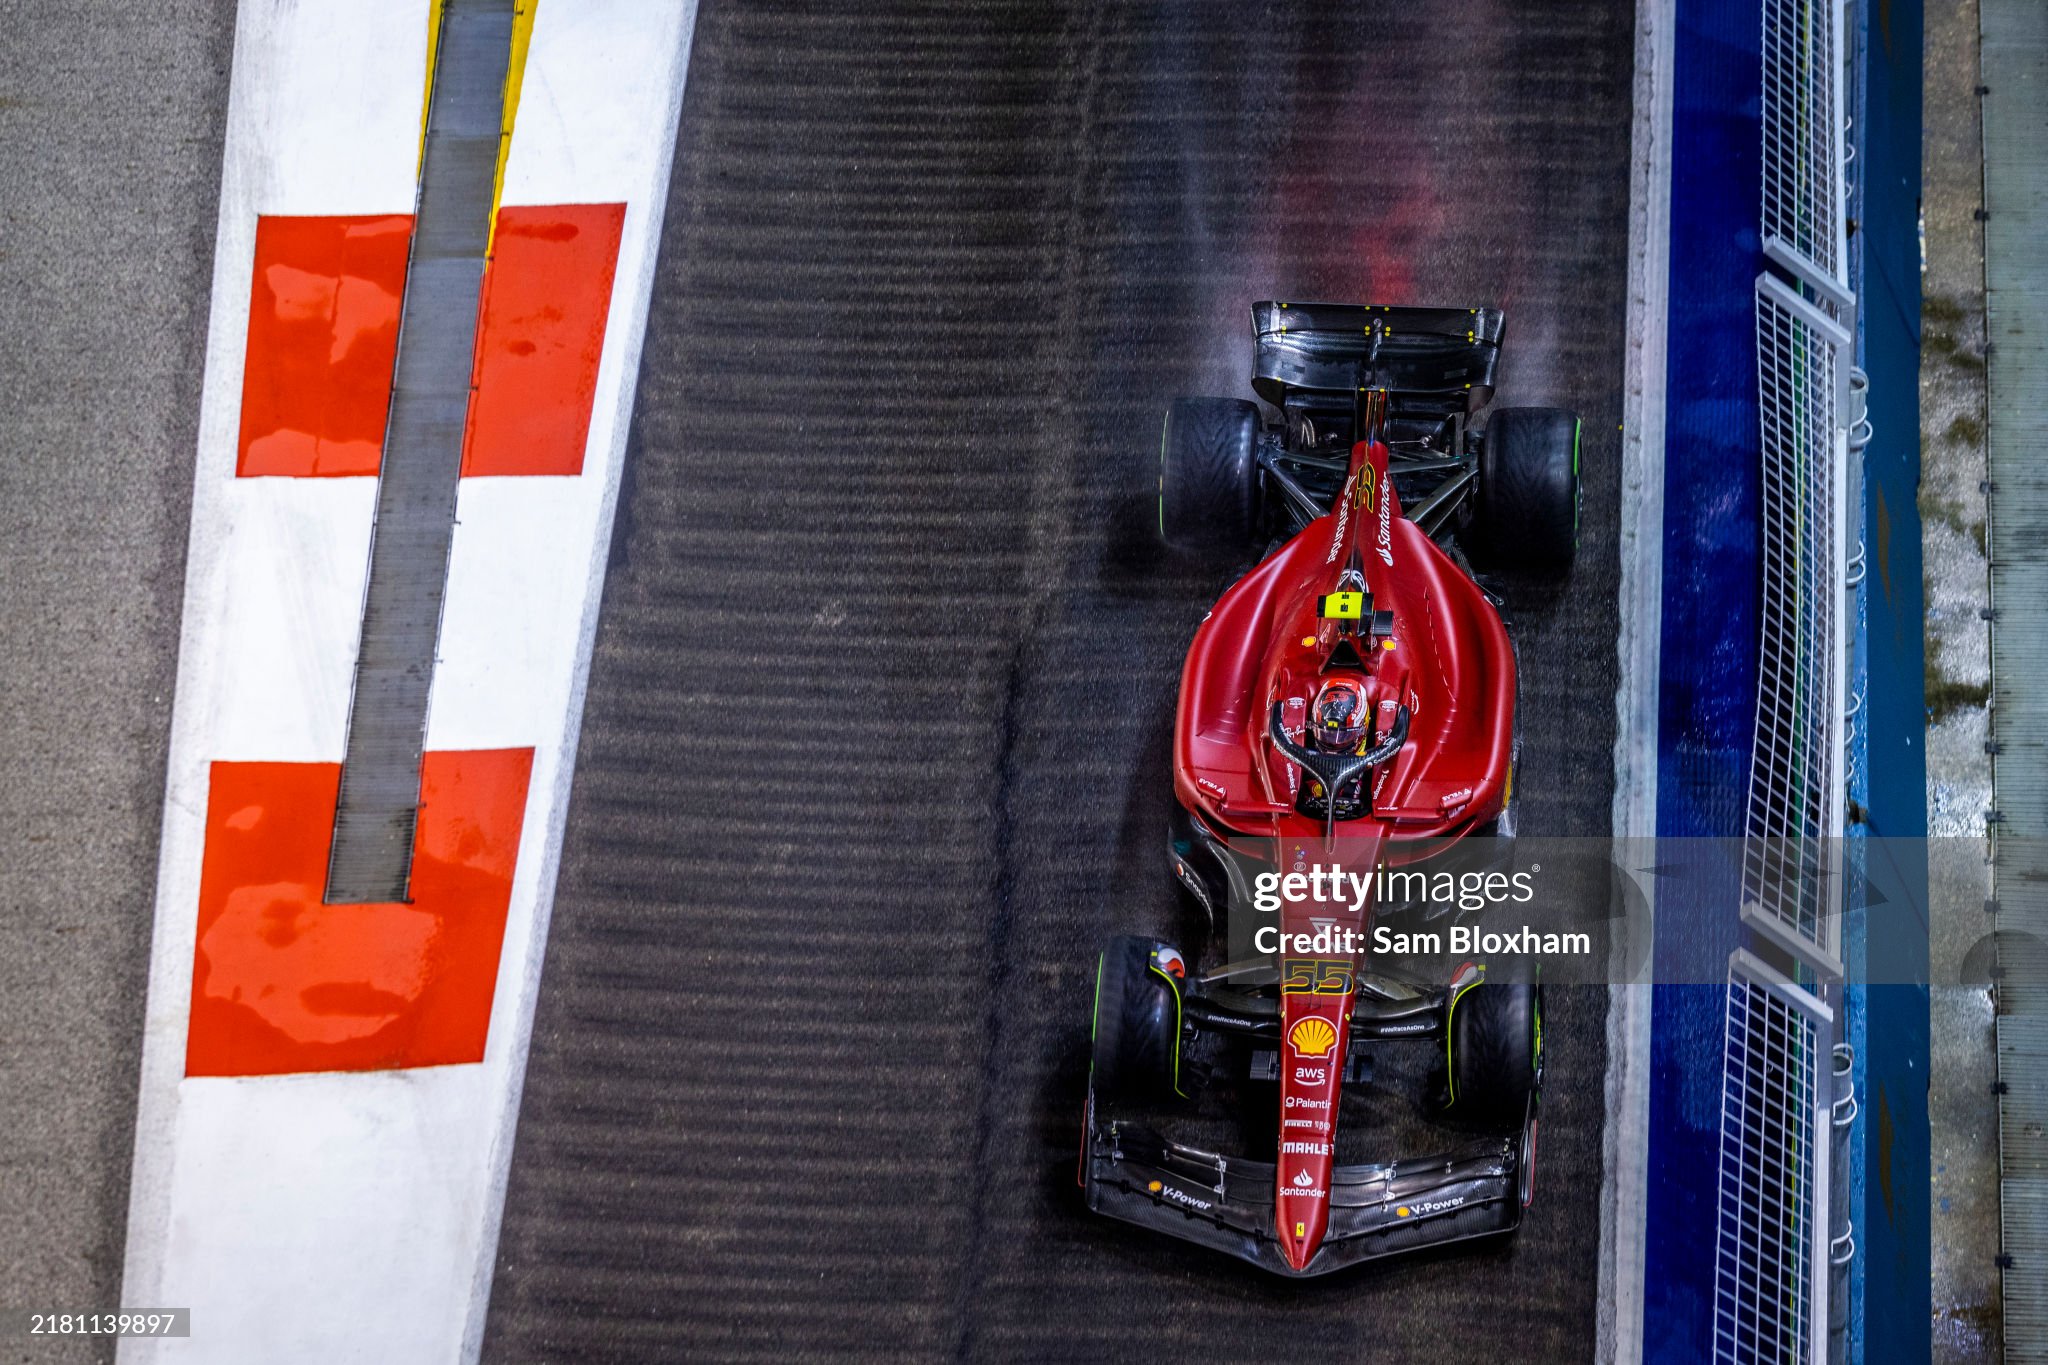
(353,1216)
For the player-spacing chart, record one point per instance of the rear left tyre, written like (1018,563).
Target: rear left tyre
(1526,513)
(1209,477)
(1137,1033)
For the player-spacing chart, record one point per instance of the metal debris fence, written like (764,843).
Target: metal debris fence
(1780,1238)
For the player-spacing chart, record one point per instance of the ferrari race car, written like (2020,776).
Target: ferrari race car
(1347,708)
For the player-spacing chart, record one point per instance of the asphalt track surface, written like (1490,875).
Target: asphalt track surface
(110,158)
(875,752)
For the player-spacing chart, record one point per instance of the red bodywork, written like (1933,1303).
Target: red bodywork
(1448,661)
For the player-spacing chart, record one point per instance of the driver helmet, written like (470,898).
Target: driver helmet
(1339,717)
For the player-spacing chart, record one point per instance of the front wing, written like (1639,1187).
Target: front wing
(1133,1173)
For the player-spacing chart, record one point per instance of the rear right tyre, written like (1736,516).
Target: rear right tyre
(1209,477)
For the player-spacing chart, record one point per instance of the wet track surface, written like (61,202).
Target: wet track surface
(876,745)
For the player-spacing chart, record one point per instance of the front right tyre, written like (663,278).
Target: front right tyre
(1137,1032)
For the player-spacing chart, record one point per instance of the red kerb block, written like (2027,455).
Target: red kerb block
(323,333)
(283,983)
(545,304)
(323,336)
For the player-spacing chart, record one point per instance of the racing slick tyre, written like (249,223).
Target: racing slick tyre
(1208,476)
(1137,1020)
(1528,500)
(1493,1045)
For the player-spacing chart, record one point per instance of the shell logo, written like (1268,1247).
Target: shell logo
(1312,1037)
(1403,1211)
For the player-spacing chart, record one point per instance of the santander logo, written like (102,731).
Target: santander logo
(1343,520)
(1386,533)
(1305,1187)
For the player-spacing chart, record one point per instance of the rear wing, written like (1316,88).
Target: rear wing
(1431,361)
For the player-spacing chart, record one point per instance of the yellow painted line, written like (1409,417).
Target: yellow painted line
(427,95)
(515,74)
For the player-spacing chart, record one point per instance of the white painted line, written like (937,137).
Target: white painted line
(354,1216)
(293,554)
(283,156)
(1625,1173)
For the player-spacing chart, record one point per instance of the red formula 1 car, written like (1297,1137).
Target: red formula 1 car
(1347,709)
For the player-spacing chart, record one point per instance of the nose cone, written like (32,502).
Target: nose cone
(1311,1083)
(1315,1015)
(1300,1217)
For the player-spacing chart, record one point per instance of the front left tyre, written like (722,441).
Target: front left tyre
(1137,1032)
(1209,476)
(1493,1053)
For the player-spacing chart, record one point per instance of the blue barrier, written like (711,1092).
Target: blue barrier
(1890,1305)
(1707,676)
(1708,682)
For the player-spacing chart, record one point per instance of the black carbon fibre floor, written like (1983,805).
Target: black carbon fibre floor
(875,750)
